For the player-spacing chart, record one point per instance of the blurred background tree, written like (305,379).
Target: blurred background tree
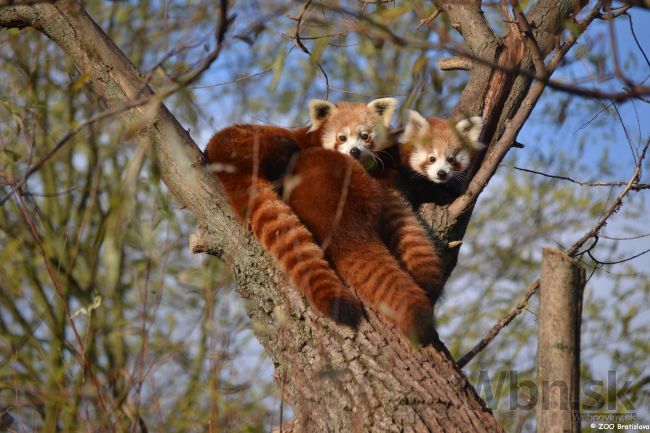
(164,331)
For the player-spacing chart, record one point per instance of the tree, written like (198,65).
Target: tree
(361,386)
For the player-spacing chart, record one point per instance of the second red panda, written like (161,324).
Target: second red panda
(436,149)
(429,161)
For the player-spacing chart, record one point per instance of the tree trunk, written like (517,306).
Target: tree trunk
(334,378)
(558,346)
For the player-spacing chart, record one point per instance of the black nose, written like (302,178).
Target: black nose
(442,174)
(355,152)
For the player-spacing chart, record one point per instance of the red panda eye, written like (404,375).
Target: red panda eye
(451,159)
(342,138)
(364,136)
(432,159)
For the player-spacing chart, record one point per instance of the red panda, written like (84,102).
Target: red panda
(344,208)
(428,163)
(250,160)
(354,230)
(363,225)
(435,149)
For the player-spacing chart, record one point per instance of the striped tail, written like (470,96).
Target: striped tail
(293,247)
(381,283)
(411,244)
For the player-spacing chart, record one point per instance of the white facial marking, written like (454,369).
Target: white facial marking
(418,158)
(329,139)
(354,141)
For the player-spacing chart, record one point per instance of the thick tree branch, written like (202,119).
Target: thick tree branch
(499,150)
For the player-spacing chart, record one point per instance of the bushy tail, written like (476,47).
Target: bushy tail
(292,246)
(411,244)
(381,283)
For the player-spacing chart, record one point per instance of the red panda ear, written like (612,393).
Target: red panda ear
(384,108)
(416,124)
(319,111)
(471,129)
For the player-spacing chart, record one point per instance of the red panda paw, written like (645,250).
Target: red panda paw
(345,309)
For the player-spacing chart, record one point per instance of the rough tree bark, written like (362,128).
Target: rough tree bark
(335,379)
(558,346)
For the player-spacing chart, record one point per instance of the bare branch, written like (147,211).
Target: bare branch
(501,323)
(634,187)
(455,64)
(616,262)
(499,150)
(593,233)
(428,20)
(524,27)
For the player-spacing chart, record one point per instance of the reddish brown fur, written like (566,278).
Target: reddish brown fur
(259,155)
(255,156)
(411,243)
(352,230)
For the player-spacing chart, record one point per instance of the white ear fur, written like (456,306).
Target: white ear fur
(384,108)
(319,111)
(415,124)
(471,129)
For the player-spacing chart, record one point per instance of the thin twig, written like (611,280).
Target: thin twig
(296,35)
(593,233)
(616,262)
(635,187)
(501,323)
(428,20)
(81,351)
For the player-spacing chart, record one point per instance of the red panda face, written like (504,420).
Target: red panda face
(354,129)
(439,163)
(438,150)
